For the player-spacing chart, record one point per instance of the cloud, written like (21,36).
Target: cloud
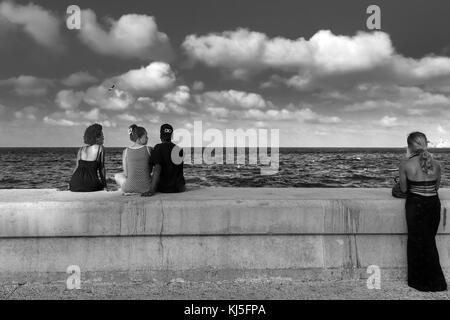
(388,121)
(25,85)
(70,118)
(232,99)
(27,113)
(301,115)
(156,78)
(42,25)
(132,36)
(102,97)
(245,52)
(78,79)
(69,99)
(175,101)
(127,117)
(441,130)
(198,86)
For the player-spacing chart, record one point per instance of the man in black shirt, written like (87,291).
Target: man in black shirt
(167,161)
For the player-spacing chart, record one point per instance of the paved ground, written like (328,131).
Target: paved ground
(273,288)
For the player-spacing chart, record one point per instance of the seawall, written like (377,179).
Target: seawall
(307,233)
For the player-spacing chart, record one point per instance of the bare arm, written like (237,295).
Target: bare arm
(155,181)
(102,169)
(438,175)
(402,175)
(124,162)
(78,158)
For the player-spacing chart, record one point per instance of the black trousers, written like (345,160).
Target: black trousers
(422,217)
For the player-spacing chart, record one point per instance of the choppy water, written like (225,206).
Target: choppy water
(299,167)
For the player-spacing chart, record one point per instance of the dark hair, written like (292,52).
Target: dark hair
(92,134)
(418,144)
(136,132)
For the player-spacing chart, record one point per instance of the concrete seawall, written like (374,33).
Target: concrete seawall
(309,233)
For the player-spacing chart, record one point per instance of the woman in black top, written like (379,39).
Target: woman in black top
(420,176)
(90,173)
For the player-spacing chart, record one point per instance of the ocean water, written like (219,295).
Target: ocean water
(298,167)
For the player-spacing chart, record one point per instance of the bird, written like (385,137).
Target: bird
(112,87)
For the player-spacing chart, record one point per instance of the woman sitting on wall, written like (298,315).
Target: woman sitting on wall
(136,176)
(420,176)
(90,173)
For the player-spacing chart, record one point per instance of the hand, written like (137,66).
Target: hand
(148,193)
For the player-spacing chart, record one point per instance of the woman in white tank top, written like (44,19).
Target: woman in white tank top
(136,177)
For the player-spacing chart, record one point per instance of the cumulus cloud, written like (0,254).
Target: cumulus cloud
(132,36)
(155,78)
(243,51)
(27,113)
(42,25)
(175,101)
(232,99)
(70,118)
(127,117)
(26,85)
(104,98)
(78,79)
(69,99)
(301,115)
(388,121)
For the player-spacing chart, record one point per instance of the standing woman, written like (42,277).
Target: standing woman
(90,163)
(420,176)
(136,176)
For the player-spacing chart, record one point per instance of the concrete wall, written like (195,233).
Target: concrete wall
(207,233)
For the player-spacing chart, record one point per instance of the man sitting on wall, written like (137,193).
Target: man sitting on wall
(168,165)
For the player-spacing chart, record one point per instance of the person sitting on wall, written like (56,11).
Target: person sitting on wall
(167,160)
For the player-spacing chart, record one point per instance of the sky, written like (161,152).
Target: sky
(311,69)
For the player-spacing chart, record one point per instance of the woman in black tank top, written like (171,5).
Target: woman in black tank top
(420,177)
(86,175)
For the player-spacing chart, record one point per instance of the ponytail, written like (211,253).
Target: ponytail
(426,161)
(417,142)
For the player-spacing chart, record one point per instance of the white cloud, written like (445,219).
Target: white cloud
(441,130)
(69,99)
(132,36)
(175,101)
(102,97)
(42,25)
(156,78)
(198,86)
(243,51)
(388,121)
(61,122)
(78,79)
(25,85)
(127,117)
(28,113)
(232,99)
(301,115)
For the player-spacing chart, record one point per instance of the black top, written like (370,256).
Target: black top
(171,178)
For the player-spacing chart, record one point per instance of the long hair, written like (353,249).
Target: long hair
(418,144)
(136,132)
(92,134)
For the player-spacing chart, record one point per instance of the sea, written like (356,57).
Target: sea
(42,168)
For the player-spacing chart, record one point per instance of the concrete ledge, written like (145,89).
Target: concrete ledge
(212,231)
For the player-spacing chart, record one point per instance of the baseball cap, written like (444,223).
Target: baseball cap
(166,129)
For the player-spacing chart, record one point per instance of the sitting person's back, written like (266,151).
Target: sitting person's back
(171,178)
(90,174)
(136,177)
(168,172)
